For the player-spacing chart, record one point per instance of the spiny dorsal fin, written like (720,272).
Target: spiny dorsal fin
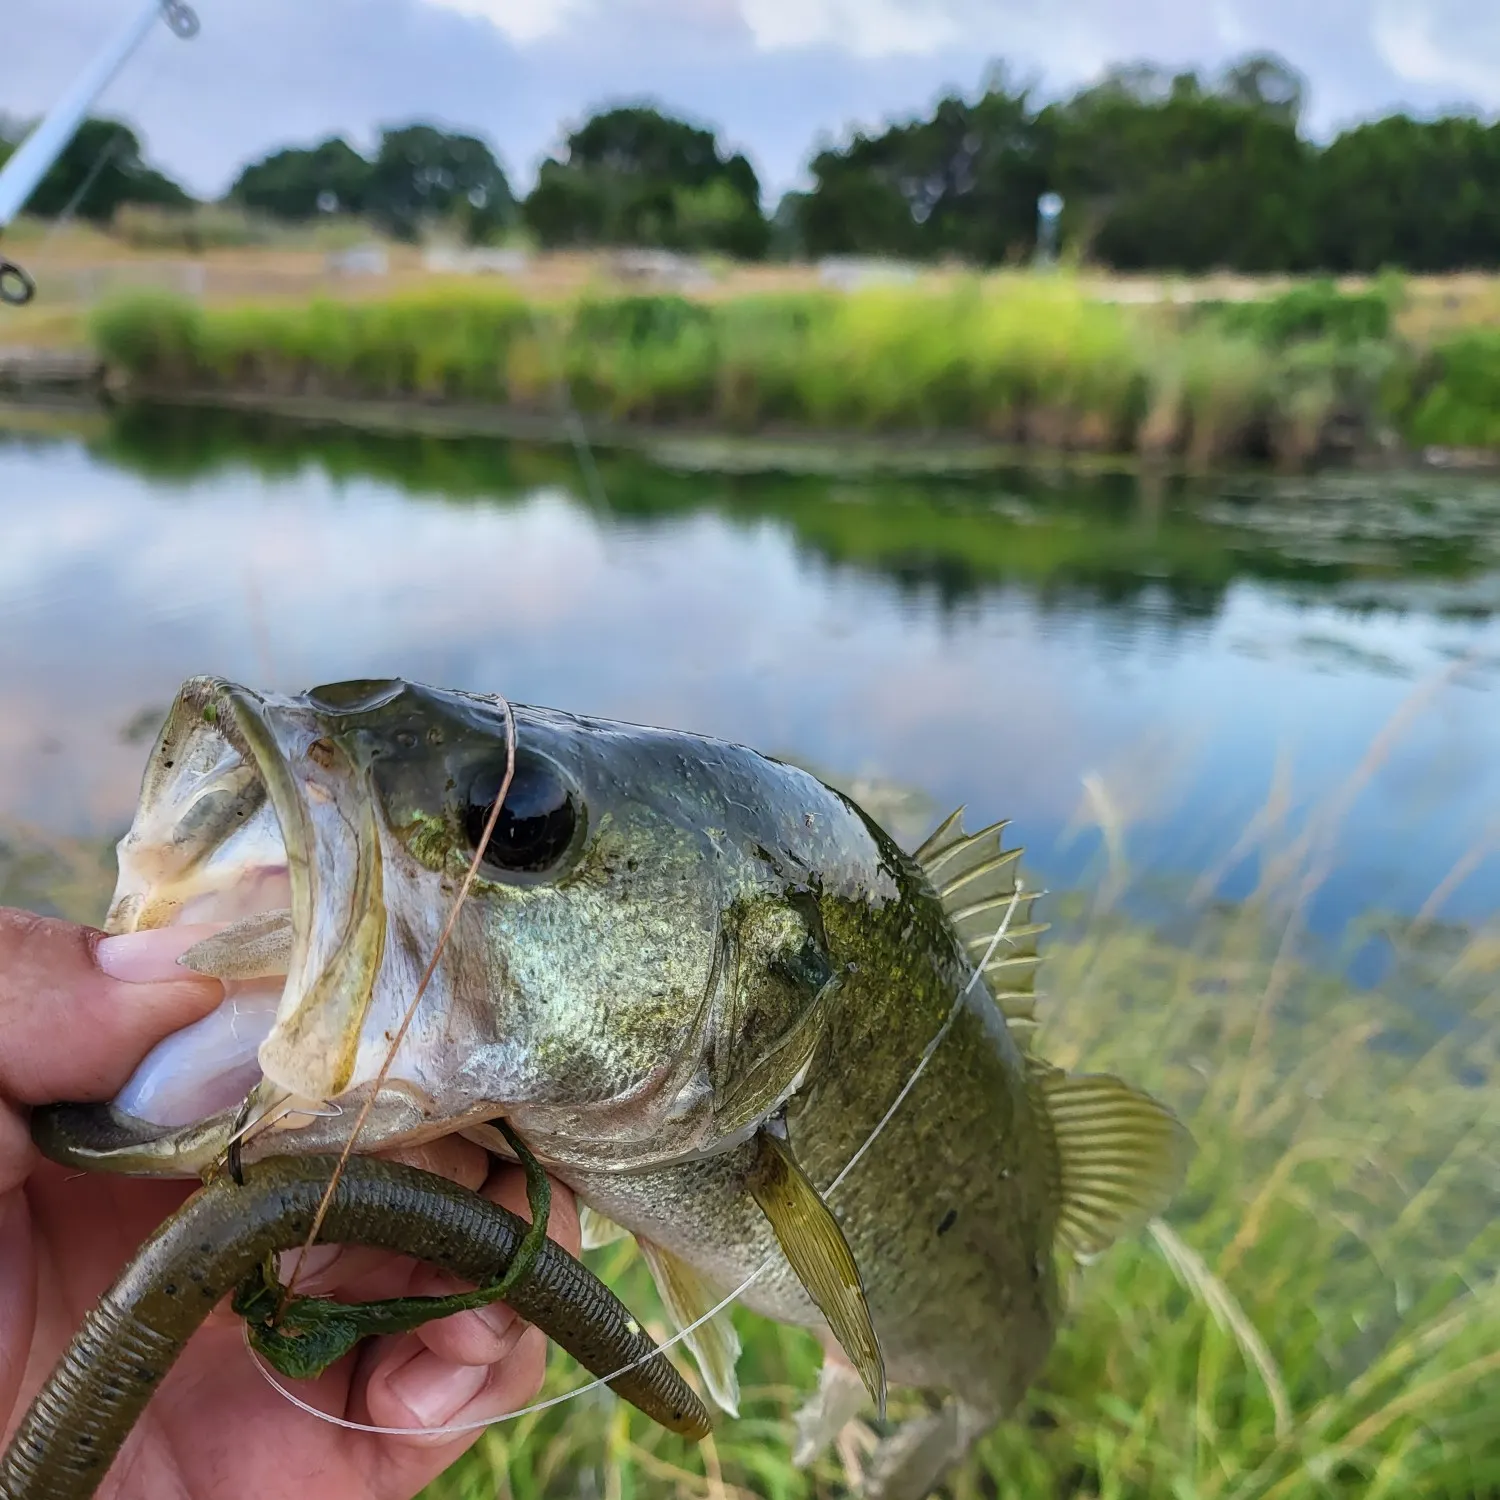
(949,831)
(975,878)
(815,1248)
(1121,1155)
(716,1344)
(595,1230)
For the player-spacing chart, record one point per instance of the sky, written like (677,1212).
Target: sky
(775,76)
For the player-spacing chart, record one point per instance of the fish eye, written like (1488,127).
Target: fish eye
(536,822)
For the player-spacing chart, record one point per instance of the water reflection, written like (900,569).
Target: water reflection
(991,642)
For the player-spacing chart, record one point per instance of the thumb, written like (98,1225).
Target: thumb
(79,1010)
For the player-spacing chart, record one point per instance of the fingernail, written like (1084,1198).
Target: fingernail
(434,1391)
(149,957)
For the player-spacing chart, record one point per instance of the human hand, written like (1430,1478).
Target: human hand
(78,1011)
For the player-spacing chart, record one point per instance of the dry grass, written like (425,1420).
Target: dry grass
(82,263)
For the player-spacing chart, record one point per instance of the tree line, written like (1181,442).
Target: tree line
(1157,171)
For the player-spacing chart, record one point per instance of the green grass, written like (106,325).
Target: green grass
(1461,404)
(1314,310)
(1018,359)
(1318,1316)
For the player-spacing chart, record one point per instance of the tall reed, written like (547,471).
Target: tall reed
(1031,360)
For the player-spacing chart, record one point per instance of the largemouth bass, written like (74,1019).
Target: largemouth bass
(707,991)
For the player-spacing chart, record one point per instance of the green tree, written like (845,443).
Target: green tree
(1155,169)
(1423,195)
(635,176)
(787,235)
(423,175)
(964,182)
(1170,172)
(100,169)
(1266,83)
(301,182)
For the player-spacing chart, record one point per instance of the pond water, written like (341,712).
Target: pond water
(1007,642)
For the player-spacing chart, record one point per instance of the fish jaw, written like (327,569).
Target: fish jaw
(647,996)
(323,804)
(338,911)
(246,806)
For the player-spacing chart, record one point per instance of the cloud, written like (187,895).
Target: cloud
(521,20)
(1442,45)
(867,28)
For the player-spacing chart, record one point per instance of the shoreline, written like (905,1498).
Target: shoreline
(84,388)
(959,380)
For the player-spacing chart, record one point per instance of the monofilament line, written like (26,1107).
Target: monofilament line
(459,1428)
(411,1010)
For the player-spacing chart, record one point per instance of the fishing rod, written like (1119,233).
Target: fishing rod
(35,157)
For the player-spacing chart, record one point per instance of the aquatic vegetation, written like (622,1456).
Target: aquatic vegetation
(1013,359)
(156,335)
(1461,404)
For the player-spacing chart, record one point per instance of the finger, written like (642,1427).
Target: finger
(348,1273)
(330,1268)
(79,1010)
(18,1157)
(487,1334)
(413,1387)
(507,1187)
(481,1336)
(450,1156)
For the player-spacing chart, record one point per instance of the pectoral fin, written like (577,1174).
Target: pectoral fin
(715,1344)
(815,1246)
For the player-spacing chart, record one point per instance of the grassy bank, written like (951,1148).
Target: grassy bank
(1319,1315)
(1018,360)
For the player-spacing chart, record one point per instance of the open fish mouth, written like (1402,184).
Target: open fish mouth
(252,822)
(317,845)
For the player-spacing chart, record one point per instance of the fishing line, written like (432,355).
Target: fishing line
(416,1000)
(182,21)
(562,388)
(459,1428)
